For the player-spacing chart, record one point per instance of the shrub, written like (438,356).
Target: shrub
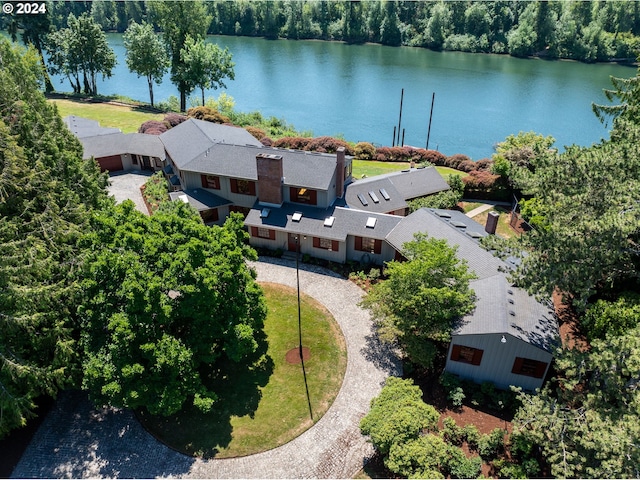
(256,132)
(364,151)
(454,161)
(296,143)
(492,445)
(459,466)
(451,432)
(453,387)
(467,166)
(484,164)
(266,141)
(152,127)
(173,119)
(328,145)
(471,436)
(155,191)
(207,114)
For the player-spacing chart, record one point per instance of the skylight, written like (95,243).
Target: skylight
(373,196)
(384,194)
(328,222)
(296,217)
(363,200)
(265,213)
(458,224)
(371,222)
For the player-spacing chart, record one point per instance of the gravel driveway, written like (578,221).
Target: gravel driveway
(126,185)
(77,441)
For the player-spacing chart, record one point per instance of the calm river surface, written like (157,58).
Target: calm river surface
(331,88)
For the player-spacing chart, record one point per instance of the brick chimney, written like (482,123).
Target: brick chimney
(492,222)
(269,179)
(340,160)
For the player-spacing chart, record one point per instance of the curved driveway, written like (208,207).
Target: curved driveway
(78,441)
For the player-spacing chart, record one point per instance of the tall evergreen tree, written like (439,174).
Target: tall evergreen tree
(47,192)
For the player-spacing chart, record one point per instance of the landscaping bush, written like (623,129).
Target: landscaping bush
(364,151)
(207,114)
(153,127)
(328,145)
(453,387)
(155,191)
(471,436)
(484,164)
(483,184)
(256,132)
(451,432)
(296,143)
(454,161)
(267,142)
(173,119)
(492,445)
(459,466)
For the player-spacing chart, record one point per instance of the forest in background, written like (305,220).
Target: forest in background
(586,31)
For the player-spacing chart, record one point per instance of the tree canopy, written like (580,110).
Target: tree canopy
(177,20)
(47,192)
(146,54)
(422,297)
(167,300)
(80,52)
(205,65)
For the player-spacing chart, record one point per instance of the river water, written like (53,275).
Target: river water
(331,88)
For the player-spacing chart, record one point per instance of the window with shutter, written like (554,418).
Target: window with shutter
(528,367)
(472,356)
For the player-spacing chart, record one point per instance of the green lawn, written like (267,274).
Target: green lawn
(503,230)
(126,118)
(371,168)
(263,409)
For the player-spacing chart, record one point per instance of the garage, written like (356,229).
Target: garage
(112,163)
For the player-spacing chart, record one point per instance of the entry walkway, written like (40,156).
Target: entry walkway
(77,441)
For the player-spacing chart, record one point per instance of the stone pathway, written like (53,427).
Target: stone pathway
(77,441)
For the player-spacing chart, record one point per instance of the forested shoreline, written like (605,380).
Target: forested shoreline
(591,31)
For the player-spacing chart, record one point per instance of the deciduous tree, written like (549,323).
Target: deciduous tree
(422,297)
(81,52)
(177,20)
(205,65)
(167,301)
(146,54)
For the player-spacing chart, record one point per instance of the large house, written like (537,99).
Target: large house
(310,203)
(509,338)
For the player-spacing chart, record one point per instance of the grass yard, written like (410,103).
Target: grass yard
(503,230)
(267,408)
(371,168)
(126,118)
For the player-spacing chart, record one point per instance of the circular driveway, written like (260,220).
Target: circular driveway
(77,441)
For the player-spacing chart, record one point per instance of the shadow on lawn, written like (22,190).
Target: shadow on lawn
(193,432)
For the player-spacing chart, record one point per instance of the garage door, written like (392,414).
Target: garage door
(112,163)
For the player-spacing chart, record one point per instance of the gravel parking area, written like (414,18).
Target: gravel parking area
(77,441)
(126,185)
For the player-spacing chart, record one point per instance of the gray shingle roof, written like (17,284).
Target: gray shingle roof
(200,198)
(347,221)
(84,127)
(395,202)
(531,321)
(119,143)
(480,261)
(202,147)
(503,308)
(418,182)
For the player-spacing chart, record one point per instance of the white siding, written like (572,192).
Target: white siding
(497,360)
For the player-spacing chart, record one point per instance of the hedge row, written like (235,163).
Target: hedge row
(317,144)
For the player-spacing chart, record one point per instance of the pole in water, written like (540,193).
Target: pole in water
(400,118)
(393,143)
(433,97)
(402,144)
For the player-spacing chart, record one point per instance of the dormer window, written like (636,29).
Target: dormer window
(303,195)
